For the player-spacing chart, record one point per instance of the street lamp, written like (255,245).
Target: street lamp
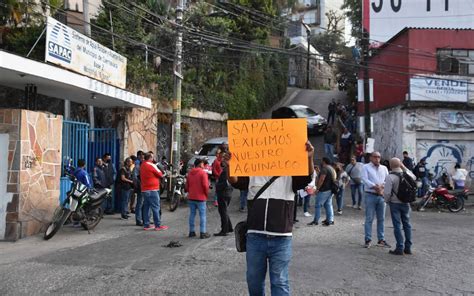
(308,36)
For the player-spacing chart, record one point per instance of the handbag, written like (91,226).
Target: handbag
(240,230)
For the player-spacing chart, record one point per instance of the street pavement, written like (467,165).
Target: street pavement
(120,258)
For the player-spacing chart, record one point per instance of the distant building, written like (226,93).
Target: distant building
(423,97)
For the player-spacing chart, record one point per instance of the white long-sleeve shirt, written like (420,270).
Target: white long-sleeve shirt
(373,175)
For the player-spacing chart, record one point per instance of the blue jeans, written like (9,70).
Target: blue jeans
(340,198)
(424,186)
(243,199)
(272,251)
(201,207)
(108,204)
(151,200)
(401,216)
(139,208)
(329,151)
(324,199)
(357,189)
(374,205)
(125,199)
(306,201)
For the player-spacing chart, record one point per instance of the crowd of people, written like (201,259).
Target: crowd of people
(271,202)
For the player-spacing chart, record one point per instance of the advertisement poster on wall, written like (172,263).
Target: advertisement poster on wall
(439,89)
(74,51)
(457,121)
(385,18)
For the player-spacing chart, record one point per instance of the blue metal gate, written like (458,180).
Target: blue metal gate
(74,147)
(101,141)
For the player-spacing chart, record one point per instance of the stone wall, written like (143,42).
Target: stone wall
(34,169)
(388,132)
(140,130)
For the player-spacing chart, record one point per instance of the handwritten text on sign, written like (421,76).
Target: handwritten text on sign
(273,147)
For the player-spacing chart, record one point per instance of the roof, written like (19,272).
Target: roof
(404,30)
(52,81)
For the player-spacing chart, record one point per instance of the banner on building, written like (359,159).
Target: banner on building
(457,121)
(439,89)
(270,147)
(72,50)
(385,18)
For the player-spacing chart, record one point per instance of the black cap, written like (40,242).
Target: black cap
(198,161)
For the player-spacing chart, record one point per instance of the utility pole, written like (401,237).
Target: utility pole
(365,57)
(178,77)
(87,32)
(308,55)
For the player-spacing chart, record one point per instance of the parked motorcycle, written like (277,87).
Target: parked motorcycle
(177,193)
(441,197)
(82,205)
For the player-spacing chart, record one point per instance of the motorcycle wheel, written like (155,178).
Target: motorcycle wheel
(174,201)
(456,205)
(93,219)
(59,218)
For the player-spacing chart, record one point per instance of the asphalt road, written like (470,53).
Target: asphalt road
(120,258)
(318,100)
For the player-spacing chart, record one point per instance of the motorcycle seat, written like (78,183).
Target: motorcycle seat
(455,191)
(98,193)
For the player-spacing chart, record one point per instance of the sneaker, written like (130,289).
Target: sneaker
(339,212)
(354,206)
(313,223)
(242,210)
(162,227)
(139,223)
(204,235)
(395,252)
(359,208)
(383,243)
(220,234)
(192,234)
(215,203)
(124,217)
(368,244)
(306,214)
(148,227)
(407,252)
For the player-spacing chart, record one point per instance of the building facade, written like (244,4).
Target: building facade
(422,92)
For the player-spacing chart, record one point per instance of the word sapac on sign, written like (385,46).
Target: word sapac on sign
(385,18)
(72,50)
(441,89)
(270,147)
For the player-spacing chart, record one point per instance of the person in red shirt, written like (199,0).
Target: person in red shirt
(359,151)
(150,177)
(197,186)
(217,170)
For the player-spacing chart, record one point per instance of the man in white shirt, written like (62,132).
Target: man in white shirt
(373,176)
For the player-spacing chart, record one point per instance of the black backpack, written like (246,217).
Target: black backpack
(407,189)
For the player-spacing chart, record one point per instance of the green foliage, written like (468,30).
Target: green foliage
(21,40)
(353,10)
(331,41)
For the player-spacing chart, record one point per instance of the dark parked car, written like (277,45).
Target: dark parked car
(316,123)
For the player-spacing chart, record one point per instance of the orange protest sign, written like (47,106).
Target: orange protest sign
(269,147)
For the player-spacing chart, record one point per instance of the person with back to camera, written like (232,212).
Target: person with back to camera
(270,225)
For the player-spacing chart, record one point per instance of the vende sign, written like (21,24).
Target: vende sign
(385,18)
(440,89)
(72,50)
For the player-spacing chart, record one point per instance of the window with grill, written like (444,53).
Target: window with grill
(455,62)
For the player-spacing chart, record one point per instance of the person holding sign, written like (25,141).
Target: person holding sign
(270,215)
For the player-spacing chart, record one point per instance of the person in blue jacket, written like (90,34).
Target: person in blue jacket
(81,174)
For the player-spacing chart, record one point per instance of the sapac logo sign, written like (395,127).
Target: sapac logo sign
(72,50)
(59,43)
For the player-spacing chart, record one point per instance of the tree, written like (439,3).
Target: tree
(353,11)
(331,41)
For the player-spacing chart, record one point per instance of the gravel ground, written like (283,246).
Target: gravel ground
(120,258)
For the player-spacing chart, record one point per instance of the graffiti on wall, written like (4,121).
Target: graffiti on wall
(164,140)
(442,156)
(456,121)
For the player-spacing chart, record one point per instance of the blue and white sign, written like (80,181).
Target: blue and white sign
(72,50)
(439,89)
